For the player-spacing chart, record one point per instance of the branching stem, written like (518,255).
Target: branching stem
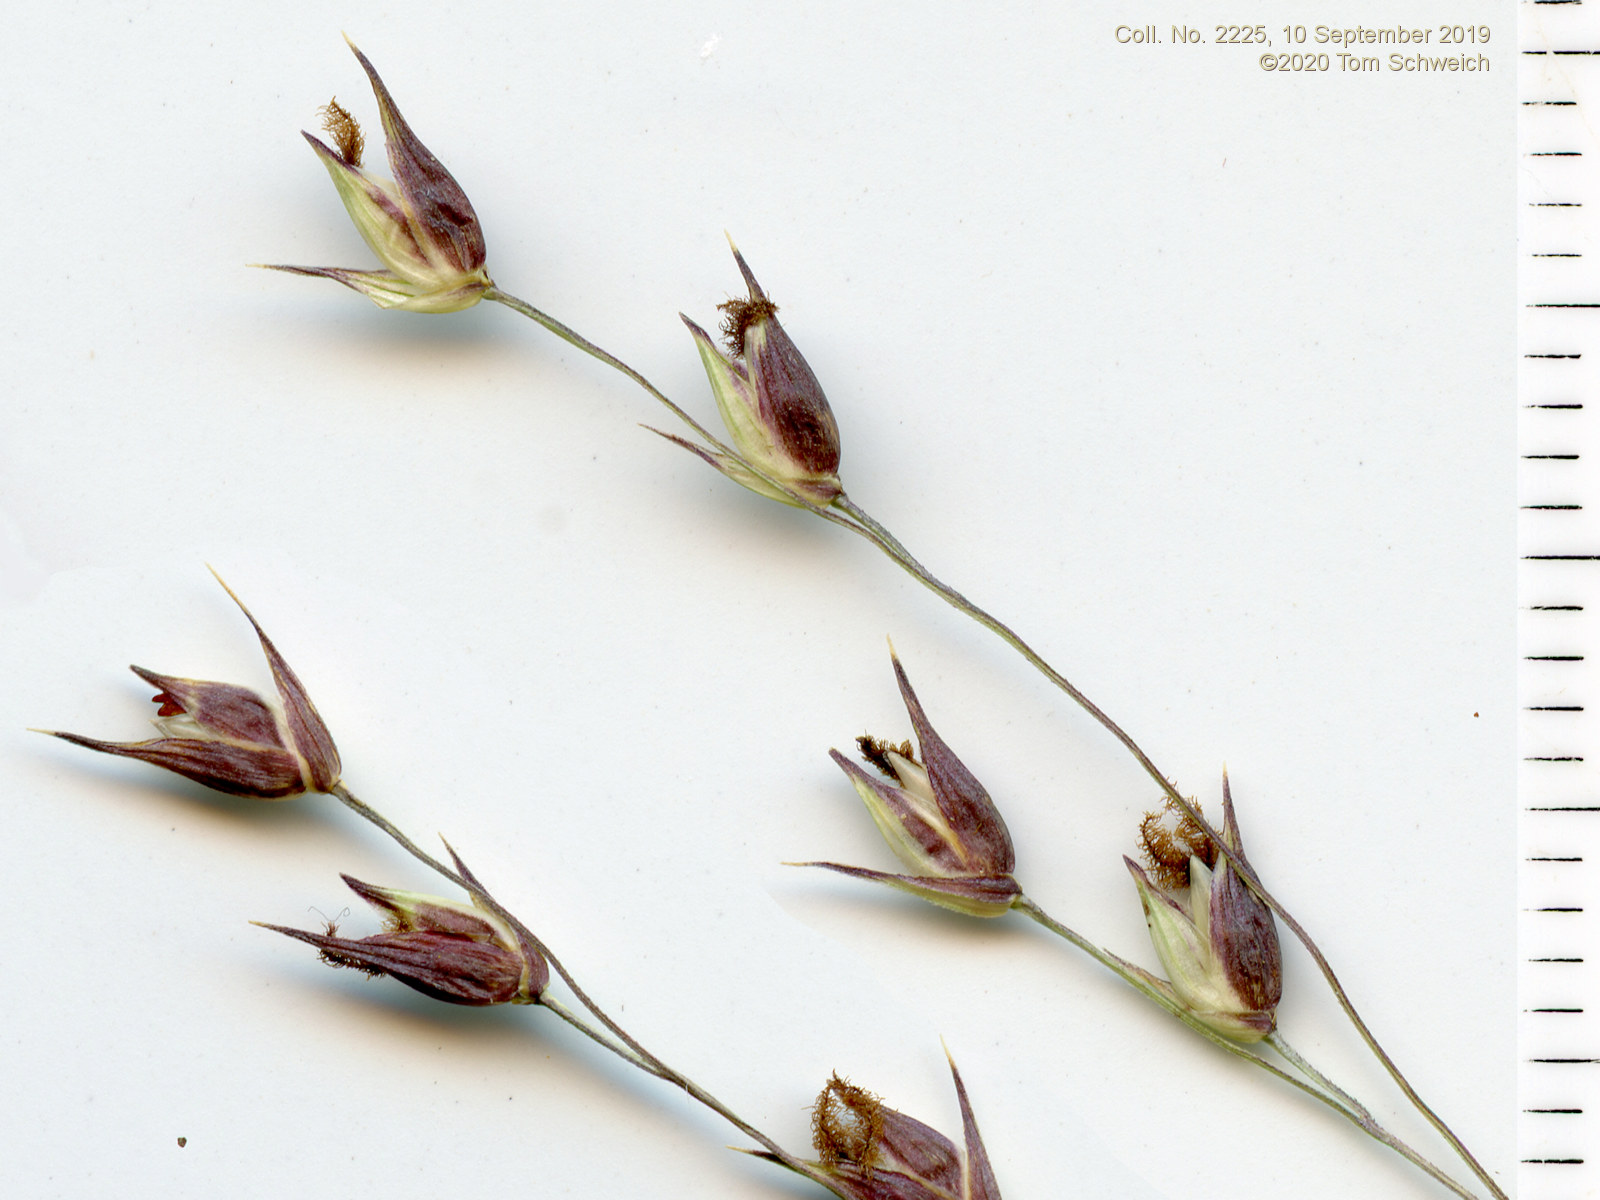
(845,512)
(619,1041)
(1324,1090)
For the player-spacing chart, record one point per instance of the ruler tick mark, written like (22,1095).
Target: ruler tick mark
(1558,792)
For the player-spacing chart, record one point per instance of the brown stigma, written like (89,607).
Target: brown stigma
(338,124)
(846,1124)
(737,318)
(1167,839)
(877,752)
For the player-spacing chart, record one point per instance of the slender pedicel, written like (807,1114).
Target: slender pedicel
(1214,937)
(480,953)
(786,442)
(844,512)
(870,529)
(1319,1087)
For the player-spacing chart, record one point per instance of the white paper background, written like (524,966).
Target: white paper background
(1199,375)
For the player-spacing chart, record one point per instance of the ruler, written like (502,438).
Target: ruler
(1559,597)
